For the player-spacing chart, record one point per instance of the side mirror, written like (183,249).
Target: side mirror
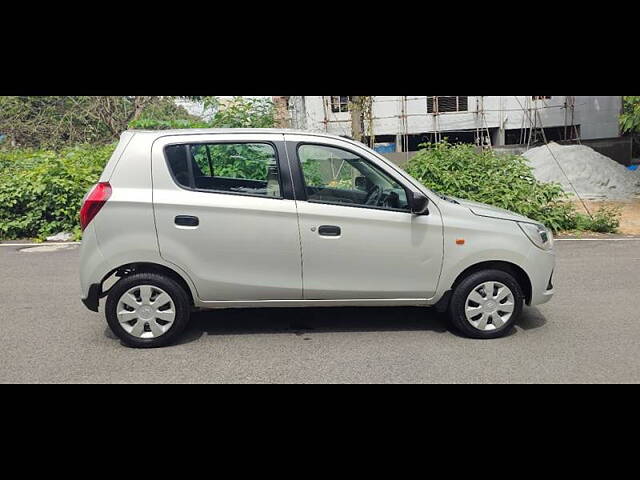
(418,203)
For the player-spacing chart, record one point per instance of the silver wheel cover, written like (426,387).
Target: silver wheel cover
(146,311)
(489,306)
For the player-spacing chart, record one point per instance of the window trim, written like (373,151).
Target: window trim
(301,178)
(192,188)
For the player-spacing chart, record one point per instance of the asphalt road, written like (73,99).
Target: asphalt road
(590,332)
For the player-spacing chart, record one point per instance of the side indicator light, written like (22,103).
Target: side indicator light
(460,241)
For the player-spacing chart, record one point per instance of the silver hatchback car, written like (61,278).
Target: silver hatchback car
(204,219)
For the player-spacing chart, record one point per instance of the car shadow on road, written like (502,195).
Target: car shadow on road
(531,319)
(302,321)
(305,321)
(309,320)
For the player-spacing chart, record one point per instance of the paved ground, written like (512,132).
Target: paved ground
(590,332)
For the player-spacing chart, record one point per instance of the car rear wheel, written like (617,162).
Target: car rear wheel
(486,304)
(147,310)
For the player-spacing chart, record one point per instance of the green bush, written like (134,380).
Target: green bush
(505,181)
(41,191)
(604,220)
(238,112)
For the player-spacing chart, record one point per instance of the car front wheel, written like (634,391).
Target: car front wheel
(486,304)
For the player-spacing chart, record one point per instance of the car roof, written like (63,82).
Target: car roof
(203,131)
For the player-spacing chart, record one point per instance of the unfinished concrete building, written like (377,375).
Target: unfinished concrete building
(402,123)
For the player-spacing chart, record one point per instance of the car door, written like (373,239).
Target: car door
(359,239)
(225,214)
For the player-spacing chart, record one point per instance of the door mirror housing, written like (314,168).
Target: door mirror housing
(419,203)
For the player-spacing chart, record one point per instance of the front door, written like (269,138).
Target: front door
(359,238)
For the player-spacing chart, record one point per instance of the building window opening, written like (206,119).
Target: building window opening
(340,104)
(447,104)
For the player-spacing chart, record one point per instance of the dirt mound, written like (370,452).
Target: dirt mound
(592,174)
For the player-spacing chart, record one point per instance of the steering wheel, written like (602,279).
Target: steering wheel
(374,196)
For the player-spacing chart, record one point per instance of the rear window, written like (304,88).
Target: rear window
(241,168)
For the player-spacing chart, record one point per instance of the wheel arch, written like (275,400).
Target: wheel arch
(511,268)
(146,267)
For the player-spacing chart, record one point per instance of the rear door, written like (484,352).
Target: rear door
(359,239)
(225,214)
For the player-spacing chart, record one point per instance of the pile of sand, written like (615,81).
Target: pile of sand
(592,174)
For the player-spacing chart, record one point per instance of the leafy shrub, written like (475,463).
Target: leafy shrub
(505,181)
(604,220)
(248,161)
(630,117)
(41,191)
(152,123)
(238,112)
(242,112)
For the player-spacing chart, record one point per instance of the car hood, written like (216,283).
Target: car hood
(484,210)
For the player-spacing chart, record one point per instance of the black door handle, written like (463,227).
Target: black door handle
(187,221)
(329,231)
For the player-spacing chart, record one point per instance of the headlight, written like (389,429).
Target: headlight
(538,234)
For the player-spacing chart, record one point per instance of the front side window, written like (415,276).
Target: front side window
(245,168)
(336,176)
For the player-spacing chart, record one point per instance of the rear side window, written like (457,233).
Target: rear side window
(177,160)
(242,168)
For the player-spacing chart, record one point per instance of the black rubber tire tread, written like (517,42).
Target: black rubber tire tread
(462,291)
(175,291)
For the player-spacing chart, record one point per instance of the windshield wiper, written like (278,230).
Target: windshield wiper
(447,198)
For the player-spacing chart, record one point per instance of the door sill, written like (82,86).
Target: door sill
(360,302)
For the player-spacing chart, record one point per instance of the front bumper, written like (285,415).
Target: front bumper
(542,265)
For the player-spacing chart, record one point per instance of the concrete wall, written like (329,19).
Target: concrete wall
(400,158)
(618,148)
(597,116)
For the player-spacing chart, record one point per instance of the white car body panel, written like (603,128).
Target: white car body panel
(488,239)
(360,263)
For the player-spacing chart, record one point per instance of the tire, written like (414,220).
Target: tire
(489,316)
(163,317)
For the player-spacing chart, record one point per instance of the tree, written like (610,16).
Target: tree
(357,122)
(241,112)
(236,112)
(361,109)
(57,121)
(630,121)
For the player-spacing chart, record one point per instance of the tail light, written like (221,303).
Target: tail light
(93,202)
